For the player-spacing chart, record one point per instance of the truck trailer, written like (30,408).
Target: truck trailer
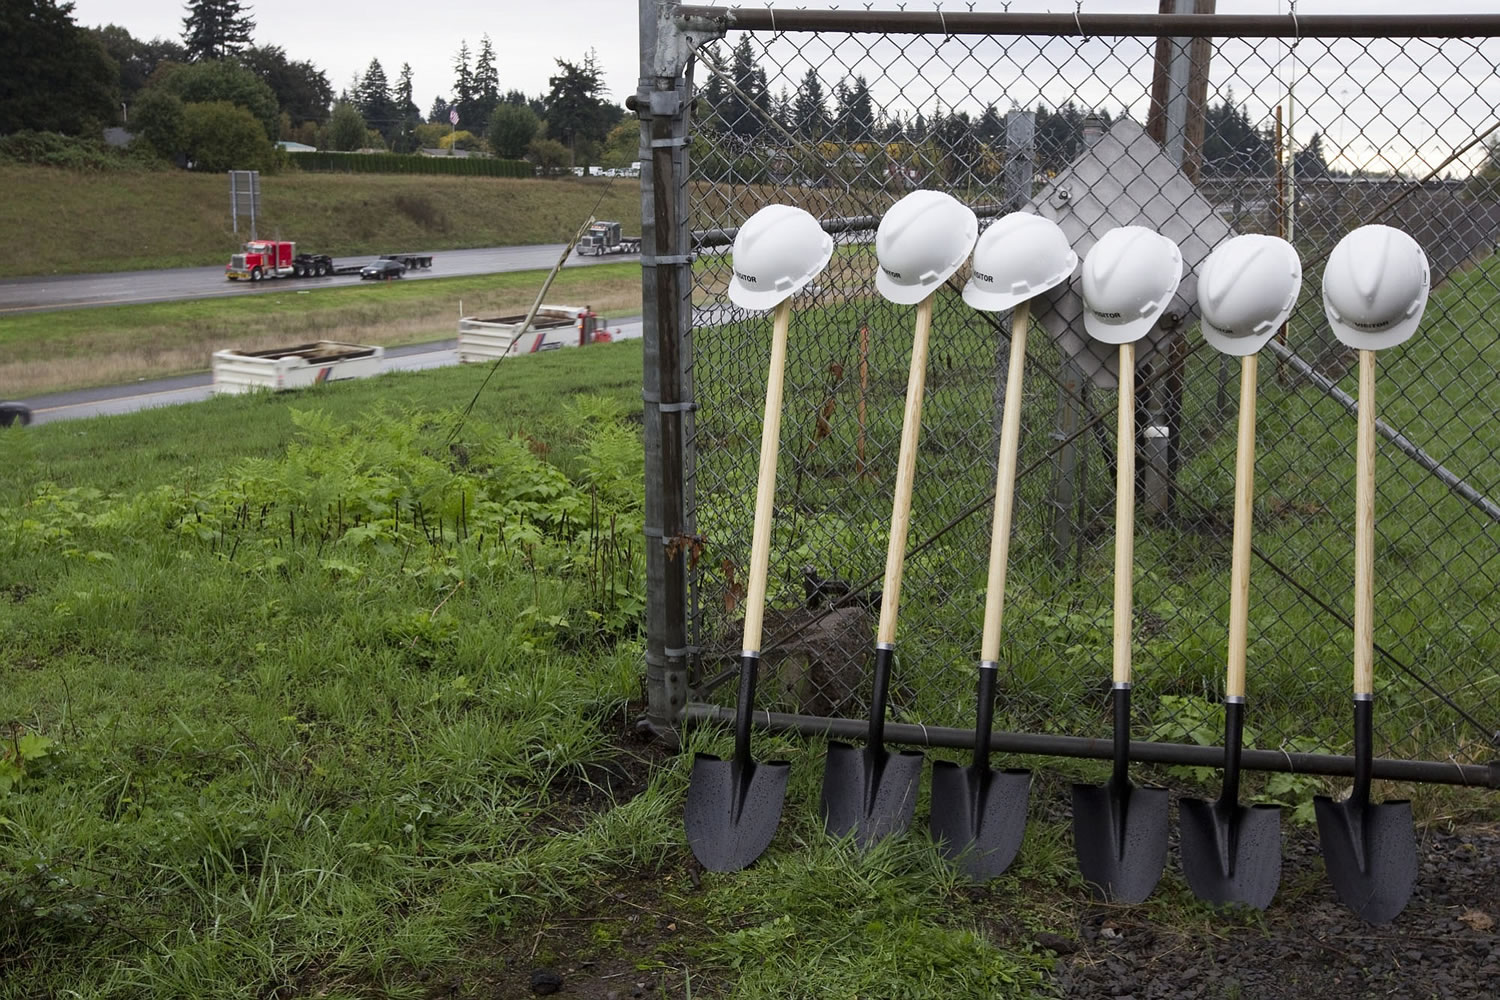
(259,260)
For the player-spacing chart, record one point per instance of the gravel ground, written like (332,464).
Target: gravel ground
(1444,945)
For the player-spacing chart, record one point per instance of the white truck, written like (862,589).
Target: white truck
(297,367)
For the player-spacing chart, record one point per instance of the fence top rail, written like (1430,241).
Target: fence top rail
(1083,24)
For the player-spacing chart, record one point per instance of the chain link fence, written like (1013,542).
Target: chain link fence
(1306,137)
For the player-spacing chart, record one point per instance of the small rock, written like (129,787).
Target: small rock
(545,981)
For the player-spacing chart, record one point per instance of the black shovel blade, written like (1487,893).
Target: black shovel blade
(732,810)
(1120,834)
(979,816)
(869,792)
(1231,853)
(1370,852)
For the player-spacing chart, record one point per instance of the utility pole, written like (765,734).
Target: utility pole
(1179,94)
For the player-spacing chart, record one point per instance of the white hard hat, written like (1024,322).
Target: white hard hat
(1375,288)
(1019,257)
(1246,289)
(922,240)
(777,251)
(1129,277)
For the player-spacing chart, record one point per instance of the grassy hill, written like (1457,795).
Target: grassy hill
(65,221)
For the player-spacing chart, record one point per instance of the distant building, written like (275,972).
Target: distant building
(117,137)
(297,147)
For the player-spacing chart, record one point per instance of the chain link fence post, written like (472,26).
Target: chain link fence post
(663,102)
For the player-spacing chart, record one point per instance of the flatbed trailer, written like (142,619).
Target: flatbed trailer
(264,259)
(410,261)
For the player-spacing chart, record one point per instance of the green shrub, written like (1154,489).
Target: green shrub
(220,136)
(403,163)
(52,149)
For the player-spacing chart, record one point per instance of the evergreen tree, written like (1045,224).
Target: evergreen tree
(463,85)
(856,110)
(1309,161)
(439,113)
(712,111)
(1232,146)
(302,90)
(216,29)
(781,110)
(576,109)
(809,113)
(537,105)
(53,75)
(486,82)
(745,113)
(408,115)
(990,129)
(373,99)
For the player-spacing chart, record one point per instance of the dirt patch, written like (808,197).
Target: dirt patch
(1307,944)
(633,944)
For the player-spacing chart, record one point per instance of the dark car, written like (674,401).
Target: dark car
(382,270)
(14,413)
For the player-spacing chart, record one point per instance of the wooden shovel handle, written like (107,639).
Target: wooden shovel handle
(1124,514)
(1005,487)
(1364,531)
(765,485)
(906,469)
(1244,513)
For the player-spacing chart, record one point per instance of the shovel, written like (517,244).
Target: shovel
(1370,850)
(1232,853)
(734,806)
(978,814)
(1119,830)
(869,791)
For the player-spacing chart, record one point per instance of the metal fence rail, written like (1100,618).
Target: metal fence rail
(1227,124)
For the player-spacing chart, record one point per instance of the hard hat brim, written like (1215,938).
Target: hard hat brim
(981,298)
(758,301)
(906,295)
(1374,340)
(1121,333)
(1239,347)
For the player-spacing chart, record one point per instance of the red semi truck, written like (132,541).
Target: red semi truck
(260,259)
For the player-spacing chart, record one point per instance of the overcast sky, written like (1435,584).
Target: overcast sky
(1421,105)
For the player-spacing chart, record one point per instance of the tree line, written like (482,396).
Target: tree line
(748,119)
(214,99)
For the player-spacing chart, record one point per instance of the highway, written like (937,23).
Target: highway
(74,291)
(199,386)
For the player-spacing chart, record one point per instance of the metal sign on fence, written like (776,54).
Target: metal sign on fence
(244,198)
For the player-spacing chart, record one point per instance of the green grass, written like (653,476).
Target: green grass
(43,352)
(71,222)
(297,699)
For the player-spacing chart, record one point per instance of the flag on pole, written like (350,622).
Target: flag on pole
(453,116)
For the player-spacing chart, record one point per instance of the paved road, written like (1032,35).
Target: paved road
(197,387)
(72,291)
